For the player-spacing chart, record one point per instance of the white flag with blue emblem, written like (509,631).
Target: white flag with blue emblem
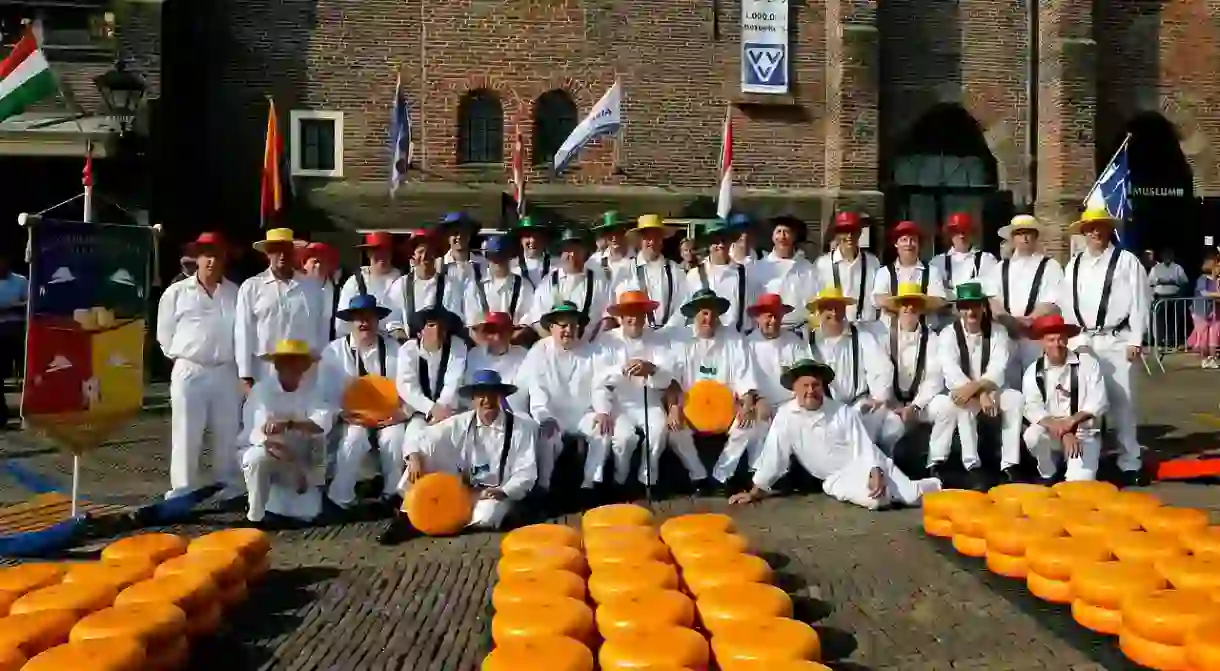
(603,120)
(1112,189)
(402,147)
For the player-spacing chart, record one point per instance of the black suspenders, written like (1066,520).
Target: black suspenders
(1032,302)
(923,283)
(425,380)
(834,272)
(1103,305)
(1073,381)
(921,359)
(505,448)
(588,303)
(667,291)
(963,353)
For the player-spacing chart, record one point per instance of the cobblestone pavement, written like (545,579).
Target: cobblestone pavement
(883,595)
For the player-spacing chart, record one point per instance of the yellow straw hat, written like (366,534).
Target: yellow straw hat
(287,348)
(279,235)
(1091,216)
(909,293)
(829,295)
(652,222)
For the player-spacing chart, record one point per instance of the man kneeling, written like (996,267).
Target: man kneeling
(828,440)
(490,447)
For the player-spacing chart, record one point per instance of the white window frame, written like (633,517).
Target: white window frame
(295,117)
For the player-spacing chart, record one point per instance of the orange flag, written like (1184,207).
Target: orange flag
(272,193)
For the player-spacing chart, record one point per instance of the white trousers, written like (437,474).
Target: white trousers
(624,441)
(1111,353)
(940,413)
(353,447)
(203,400)
(683,444)
(487,513)
(747,441)
(1048,451)
(850,484)
(272,486)
(550,448)
(1011,414)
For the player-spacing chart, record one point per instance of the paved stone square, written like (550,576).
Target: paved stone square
(883,595)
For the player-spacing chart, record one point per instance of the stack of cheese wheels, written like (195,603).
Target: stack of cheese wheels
(226,570)
(1012,497)
(1203,646)
(17,581)
(1144,547)
(154,548)
(113,654)
(1155,627)
(1098,525)
(11,659)
(1204,543)
(1009,538)
(159,628)
(252,545)
(33,633)
(194,592)
(939,506)
(1099,589)
(1174,521)
(543,652)
(1192,573)
(119,574)
(1092,492)
(1131,504)
(1051,561)
(971,522)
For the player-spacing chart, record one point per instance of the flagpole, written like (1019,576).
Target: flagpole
(622,132)
(1118,151)
(423,85)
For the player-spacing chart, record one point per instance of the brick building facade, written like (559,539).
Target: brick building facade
(901,108)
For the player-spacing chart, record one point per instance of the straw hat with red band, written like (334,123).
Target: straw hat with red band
(1048,324)
(632,303)
(847,222)
(377,240)
(496,321)
(769,303)
(207,241)
(958,223)
(905,228)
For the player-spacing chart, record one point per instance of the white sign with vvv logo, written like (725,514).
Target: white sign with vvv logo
(764,46)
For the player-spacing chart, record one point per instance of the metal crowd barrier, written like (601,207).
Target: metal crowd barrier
(1171,322)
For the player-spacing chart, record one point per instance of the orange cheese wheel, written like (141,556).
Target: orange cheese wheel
(766,639)
(1131,504)
(602,536)
(1056,509)
(224,567)
(941,504)
(233,594)
(615,515)
(1166,616)
(645,610)
(744,601)
(1143,547)
(1099,525)
(29,577)
(1108,583)
(1012,537)
(613,580)
(1092,491)
(34,632)
(119,574)
(1009,566)
(940,527)
(439,504)
(662,647)
(773,665)
(1048,589)
(709,407)
(371,397)
(6,600)
(675,529)
(534,585)
(112,654)
(540,535)
(690,550)
(173,656)
(1176,521)
(253,544)
(715,572)
(205,621)
(976,520)
(191,592)
(627,551)
(553,617)
(1150,654)
(1012,496)
(971,546)
(1191,573)
(1057,558)
(82,598)
(1203,646)
(152,624)
(11,659)
(556,653)
(1096,618)
(555,557)
(1203,542)
(155,547)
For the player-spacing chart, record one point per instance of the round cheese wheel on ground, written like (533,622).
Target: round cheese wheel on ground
(941,504)
(1131,504)
(155,547)
(767,639)
(540,535)
(120,574)
(1174,521)
(940,527)
(1048,589)
(616,515)
(970,546)
(1057,558)
(1012,496)
(1099,525)
(205,621)
(1096,618)
(152,624)
(29,577)
(112,654)
(627,551)
(1168,615)
(554,653)
(1009,566)
(34,632)
(613,580)
(82,598)
(534,585)
(1191,573)
(715,572)
(675,529)
(439,504)
(1057,509)
(645,610)
(556,557)
(601,536)
(1108,583)
(701,547)
(224,567)
(677,647)
(190,592)
(742,602)
(1092,491)
(1143,547)
(774,665)
(1150,654)
(253,544)
(1203,543)
(976,520)
(11,659)
(1013,536)
(553,617)
(172,656)
(1203,646)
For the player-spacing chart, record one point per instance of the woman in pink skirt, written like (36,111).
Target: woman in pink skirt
(1205,339)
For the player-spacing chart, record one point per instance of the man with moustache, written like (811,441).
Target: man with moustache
(650,272)
(718,273)
(785,272)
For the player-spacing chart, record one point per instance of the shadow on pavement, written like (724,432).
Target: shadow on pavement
(836,644)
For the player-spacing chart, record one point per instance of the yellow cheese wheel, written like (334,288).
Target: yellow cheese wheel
(152,624)
(1056,558)
(6,600)
(645,610)
(1150,654)
(661,647)
(234,594)
(773,665)
(253,544)
(34,632)
(224,567)
(616,515)
(766,639)
(1012,537)
(1167,615)
(439,504)
(940,527)
(205,621)
(1092,491)
(82,598)
(112,654)
(744,601)
(258,570)
(120,574)
(1191,573)
(1203,646)
(709,407)
(189,591)
(714,573)
(1049,589)
(11,659)
(970,546)
(29,577)
(1143,547)
(1056,509)
(697,524)
(689,550)
(941,504)
(155,547)
(554,653)
(543,535)
(1012,496)
(555,557)
(976,520)
(612,580)
(602,536)
(1096,618)
(1108,583)
(1131,504)
(628,551)
(172,656)
(553,617)
(1176,521)
(1009,566)
(533,585)
(372,398)
(1203,542)
(1099,525)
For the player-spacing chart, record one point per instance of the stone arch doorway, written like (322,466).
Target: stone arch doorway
(944,166)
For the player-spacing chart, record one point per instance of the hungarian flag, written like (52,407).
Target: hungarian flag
(273,185)
(724,199)
(25,77)
(519,174)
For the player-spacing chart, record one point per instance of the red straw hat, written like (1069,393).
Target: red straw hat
(847,222)
(772,303)
(1048,324)
(496,321)
(320,250)
(378,240)
(206,240)
(904,228)
(959,222)
(632,302)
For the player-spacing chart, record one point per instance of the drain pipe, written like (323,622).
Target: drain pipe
(1031,99)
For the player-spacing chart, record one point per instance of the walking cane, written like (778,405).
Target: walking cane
(647,452)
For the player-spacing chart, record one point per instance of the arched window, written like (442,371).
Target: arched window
(554,120)
(480,128)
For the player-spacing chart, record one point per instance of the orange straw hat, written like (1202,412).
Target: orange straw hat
(632,302)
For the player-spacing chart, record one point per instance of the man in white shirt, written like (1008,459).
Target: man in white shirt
(430,370)
(277,304)
(1065,397)
(491,448)
(650,272)
(1167,278)
(424,287)
(499,289)
(457,230)
(974,356)
(375,279)
(575,283)
(195,322)
(828,442)
(723,276)
(852,270)
(741,247)
(908,267)
(962,262)
(320,261)
(1105,292)
(616,255)
(496,352)
(782,271)
(534,261)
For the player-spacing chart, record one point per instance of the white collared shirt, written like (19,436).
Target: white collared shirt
(410,386)
(197,327)
(951,360)
(794,279)
(875,377)
(378,287)
(1091,394)
(913,274)
(560,381)
(339,366)
(498,292)
(850,281)
(823,441)
(1129,294)
(667,289)
(771,356)
(1021,271)
(561,285)
(270,310)
(462,444)
(724,358)
(726,280)
(933,381)
(957,267)
(508,366)
(452,299)
(611,387)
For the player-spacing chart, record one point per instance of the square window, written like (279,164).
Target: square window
(316,143)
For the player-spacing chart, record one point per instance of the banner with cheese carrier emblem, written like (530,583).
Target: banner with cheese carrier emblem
(764,46)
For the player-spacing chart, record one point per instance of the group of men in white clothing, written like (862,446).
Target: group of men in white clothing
(512,363)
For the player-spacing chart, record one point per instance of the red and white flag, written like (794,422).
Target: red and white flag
(724,200)
(519,174)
